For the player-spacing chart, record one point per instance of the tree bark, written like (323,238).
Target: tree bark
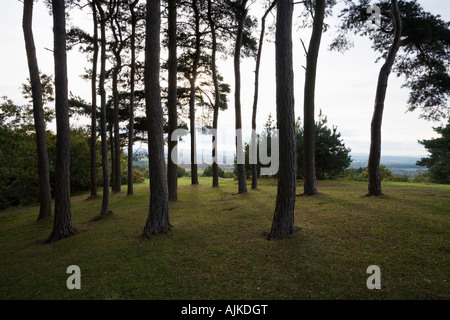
(62,226)
(374,187)
(215,166)
(45,195)
(93,146)
(310,182)
(158,215)
(283,218)
(192,81)
(117,51)
(132,5)
(172,167)
(104,140)
(242,184)
(255,97)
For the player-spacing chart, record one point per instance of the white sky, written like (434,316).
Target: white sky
(345,88)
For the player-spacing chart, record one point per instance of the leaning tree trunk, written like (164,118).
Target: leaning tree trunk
(172,166)
(62,226)
(215,165)
(310,182)
(93,146)
(158,215)
(104,140)
(283,218)
(45,195)
(255,97)
(242,184)
(375,136)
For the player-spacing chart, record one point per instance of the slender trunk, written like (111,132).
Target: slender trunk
(132,5)
(242,184)
(283,218)
(104,139)
(215,166)
(375,137)
(193,80)
(172,167)
(62,226)
(158,215)
(117,51)
(310,182)
(45,195)
(93,147)
(112,155)
(255,97)
(116,187)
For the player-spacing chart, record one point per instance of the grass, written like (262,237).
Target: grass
(217,248)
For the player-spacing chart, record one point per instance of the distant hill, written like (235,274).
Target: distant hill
(398,164)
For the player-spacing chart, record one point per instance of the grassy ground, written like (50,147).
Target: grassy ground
(217,248)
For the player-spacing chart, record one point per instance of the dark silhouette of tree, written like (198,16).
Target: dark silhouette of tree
(256,93)
(283,218)
(93,142)
(415,44)
(241,16)
(377,118)
(132,6)
(438,163)
(117,46)
(158,215)
(216,105)
(104,141)
(172,104)
(310,182)
(45,196)
(62,226)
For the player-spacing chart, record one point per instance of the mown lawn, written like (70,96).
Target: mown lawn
(218,246)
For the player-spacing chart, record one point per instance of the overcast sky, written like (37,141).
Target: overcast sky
(345,88)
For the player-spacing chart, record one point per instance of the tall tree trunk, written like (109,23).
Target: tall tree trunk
(255,97)
(104,139)
(172,167)
(132,6)
(62,226)
(93,146)
(193,89)
(215,166)
(242,184)
(158,215)
(117,51)
(45,195)
(310,182)
(283,218)
(375,137)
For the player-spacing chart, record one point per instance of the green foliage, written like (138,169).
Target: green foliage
(208,172)
(181,172)
(423,58)
(438,163)
(19,182)
(386,174)
(332,157)
(138,176)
